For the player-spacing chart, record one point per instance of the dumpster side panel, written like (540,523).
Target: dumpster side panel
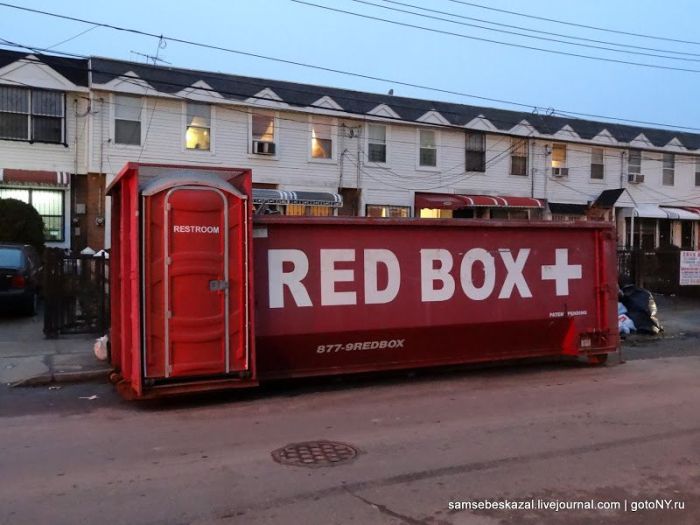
(335,296)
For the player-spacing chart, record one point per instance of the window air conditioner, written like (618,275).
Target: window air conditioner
(635,178)
(261,147)
(560,172)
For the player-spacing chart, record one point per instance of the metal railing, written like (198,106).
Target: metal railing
(76,294)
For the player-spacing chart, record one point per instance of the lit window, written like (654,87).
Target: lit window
(435,213)
(427,154)
(198,133)
(374,210)
(558,155)
(597,163)
(305,210)
(321,138)
(31,114)
(376,143)
(127,120)
(49,204)
(669,169)
(518,157)
(475,159)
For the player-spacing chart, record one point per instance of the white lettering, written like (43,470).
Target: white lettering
(187,228)
(514,277)
(373,295)
(278,278)
(330,276)
(429,274)
(465,272)
(561,272)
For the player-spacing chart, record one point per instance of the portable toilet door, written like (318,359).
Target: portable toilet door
(195,264)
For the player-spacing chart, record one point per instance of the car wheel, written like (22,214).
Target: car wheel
(31,304)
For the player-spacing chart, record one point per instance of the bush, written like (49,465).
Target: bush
(21,223)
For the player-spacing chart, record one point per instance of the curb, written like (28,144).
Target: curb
(63,377)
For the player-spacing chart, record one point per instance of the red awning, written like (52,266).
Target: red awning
(440,201)
(456,201)
(694,210)
(53,178)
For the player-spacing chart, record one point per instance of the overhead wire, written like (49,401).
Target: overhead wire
(538,31)
(516,33)
(575,24)
(498,42)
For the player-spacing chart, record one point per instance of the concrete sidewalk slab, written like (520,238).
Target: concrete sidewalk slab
(27,358)
(18,369)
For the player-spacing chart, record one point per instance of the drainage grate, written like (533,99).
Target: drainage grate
(315,454)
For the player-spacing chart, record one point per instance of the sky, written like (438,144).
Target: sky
(294,31)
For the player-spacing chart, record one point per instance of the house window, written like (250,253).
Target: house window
(376,210)
(644,234)
(262,133)
(198,131)
(697,172)
(127,120)
(518,157)
(427,152)
(49,204)
(635,162)
(321,138)
(687,235)
(558,155)
(597,163)
(475,159)
(669,169)
(376,143)
(32,114)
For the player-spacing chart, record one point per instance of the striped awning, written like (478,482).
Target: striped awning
(47,178)
(309,198)
(448,201)
(654,211)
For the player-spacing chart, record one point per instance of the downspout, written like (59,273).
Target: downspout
(545,171)
(530,160)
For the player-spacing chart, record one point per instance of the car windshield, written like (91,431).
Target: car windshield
(10,257)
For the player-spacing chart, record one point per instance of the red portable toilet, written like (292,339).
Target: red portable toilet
(180,278)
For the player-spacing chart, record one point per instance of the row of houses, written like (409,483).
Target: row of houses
(67,126)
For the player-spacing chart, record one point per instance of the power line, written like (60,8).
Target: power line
(574,24)
(498,42)
(507,32)
(342,72)
(538,31)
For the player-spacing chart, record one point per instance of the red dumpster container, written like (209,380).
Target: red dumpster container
(335,296)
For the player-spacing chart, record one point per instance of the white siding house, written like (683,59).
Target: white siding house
(43,136)
(387,156)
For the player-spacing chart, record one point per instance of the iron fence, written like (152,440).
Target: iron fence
(656,270)
(76,294)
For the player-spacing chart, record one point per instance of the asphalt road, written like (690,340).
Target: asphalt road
(623,434)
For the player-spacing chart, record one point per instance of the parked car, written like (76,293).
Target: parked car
(20,278)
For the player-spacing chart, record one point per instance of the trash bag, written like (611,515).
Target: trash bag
(641,308)
(625,324)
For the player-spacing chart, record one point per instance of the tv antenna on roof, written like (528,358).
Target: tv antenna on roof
(151,58)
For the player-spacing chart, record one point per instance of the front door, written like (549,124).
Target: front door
(196,293)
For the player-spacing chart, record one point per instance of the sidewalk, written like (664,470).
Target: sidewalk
(27,358)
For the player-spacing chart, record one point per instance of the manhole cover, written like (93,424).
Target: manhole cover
(315,454)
